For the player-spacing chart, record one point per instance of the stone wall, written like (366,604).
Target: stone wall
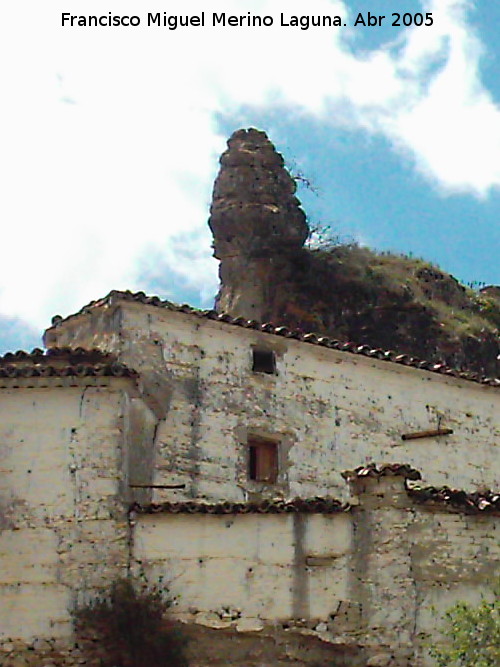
(197,405)
(63,523)
(276,648)
(352,587)
(248,570)
(369,583)
(328,410)
(414,562)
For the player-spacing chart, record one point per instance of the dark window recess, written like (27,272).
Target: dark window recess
(262,461)
(263,361)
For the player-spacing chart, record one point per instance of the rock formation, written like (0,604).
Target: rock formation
(257,223)
(346,292)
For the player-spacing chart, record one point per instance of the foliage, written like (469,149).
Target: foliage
(472,635)
(321,236)
(490,308)
(379,278)
(128,628)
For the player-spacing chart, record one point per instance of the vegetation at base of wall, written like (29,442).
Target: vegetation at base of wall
(471,635)
(129,627)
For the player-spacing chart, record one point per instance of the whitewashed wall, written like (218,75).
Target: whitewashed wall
(247,569)
(331,410)
(60,531)
(380,575)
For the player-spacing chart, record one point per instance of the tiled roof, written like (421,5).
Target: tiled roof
(307,505)
(61,362)
(297,334)
(385,470)
(471,503)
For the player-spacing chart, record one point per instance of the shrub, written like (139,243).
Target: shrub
(472,635)
(129,628)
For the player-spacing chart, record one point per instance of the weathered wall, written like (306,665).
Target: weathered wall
(412,563)
(63,524)
(369,577)
(329,410)
(248,570)
(281,589)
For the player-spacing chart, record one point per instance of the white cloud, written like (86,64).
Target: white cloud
(450,124)
(109,142)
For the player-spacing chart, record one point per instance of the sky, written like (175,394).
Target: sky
(110,138)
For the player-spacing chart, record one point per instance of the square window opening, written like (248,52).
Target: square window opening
(262,461)
(263,361)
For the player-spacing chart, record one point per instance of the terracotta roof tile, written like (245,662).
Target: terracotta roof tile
(62,362)
(471,503)
(476,502)
(306,337)
(385,470)
(305,505)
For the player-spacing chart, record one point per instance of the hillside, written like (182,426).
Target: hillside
(393,302)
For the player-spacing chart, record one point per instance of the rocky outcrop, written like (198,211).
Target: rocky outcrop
(257,223)
(346,292)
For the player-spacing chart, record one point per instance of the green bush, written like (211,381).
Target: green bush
(129,628)
(471,635)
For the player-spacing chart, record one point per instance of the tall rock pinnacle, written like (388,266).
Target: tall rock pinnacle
(256,221)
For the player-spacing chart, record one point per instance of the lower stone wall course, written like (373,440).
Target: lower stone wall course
(217,648)
(210,648)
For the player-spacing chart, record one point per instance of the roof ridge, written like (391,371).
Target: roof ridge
(54,353)
(62,362)
(284,331)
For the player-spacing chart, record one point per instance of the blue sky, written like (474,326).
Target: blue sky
(111,138)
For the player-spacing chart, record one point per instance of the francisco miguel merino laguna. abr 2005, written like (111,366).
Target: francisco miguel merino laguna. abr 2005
(217,19)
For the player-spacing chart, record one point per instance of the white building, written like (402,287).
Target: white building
(211,453)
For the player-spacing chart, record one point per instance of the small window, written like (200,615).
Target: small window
(262,461)
(263,361)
